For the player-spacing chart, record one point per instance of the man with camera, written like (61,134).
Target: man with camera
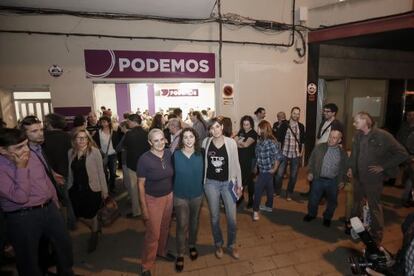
(380,262)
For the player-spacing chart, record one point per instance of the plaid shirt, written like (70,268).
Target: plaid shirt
(291,146)
(267,152)
(409,260)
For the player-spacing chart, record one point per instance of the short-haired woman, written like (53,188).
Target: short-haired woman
(86,182)
(222,178)
(155,177)
(188,193)
(268,158)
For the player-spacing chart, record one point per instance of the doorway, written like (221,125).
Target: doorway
(355,95)
(154,97)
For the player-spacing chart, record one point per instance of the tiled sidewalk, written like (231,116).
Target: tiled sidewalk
(280,243)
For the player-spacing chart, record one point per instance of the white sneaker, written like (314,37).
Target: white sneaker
(256,216)
(265,208)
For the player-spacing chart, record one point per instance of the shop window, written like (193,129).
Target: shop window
(32,103)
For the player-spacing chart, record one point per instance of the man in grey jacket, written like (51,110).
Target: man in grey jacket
(375,155)
(327,169)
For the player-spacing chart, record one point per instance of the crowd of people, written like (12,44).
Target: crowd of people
(169,164)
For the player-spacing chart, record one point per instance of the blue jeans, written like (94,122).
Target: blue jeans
(187,212)
(264,181)
(294,168)
(318,188)
(213,190)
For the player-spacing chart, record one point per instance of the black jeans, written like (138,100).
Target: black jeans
(110,171)
(25,230)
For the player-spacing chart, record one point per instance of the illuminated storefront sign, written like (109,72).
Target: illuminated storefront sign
(148,64)
(179,93)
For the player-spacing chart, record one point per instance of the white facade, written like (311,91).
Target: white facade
(271,77)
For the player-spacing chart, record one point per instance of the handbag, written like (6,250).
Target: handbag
(109,212)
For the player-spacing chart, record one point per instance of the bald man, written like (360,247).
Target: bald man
(327,169)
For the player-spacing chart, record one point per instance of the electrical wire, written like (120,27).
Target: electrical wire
(227,20)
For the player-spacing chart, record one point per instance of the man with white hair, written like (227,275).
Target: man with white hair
(375,155)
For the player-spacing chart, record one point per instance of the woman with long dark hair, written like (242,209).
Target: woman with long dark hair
(188,193)
(222,179)
(158,122)
(86,182)
(199,124)
(246,142)
(107,140)
(268,158)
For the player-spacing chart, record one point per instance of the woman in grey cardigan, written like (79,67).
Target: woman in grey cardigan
(222,178)
(86,182)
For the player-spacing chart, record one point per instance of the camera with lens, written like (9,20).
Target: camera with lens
(373,257)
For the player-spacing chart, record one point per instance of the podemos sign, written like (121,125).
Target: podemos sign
(148,64)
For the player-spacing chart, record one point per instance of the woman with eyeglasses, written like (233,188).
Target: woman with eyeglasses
(107,140)
(86,182)
(155,177)
(188,193)
(222,178)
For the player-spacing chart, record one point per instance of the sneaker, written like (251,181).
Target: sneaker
(276,195)
(288,198)
(265,208)
(234,252)
(219,253)
(256,216)
(308,218)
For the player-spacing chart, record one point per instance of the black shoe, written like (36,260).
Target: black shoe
(93,242)
(348,227)
(326,222)
(169,257)
(193,253)
(249,205)
(146,273)
(305,194)
(241,199)
(308,218)
(179,264)
(132,216)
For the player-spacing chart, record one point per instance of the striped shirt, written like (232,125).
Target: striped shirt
(330,163)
